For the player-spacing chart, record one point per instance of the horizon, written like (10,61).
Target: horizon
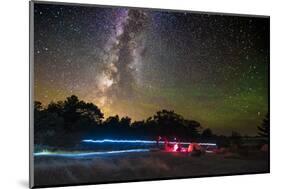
(105,117)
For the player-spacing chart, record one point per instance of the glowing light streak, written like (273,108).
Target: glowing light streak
(77,155)
(120,141)
(141,141)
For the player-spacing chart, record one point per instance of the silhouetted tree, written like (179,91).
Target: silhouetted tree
(192,128)
(90,111)
(222,141)
(264,128)
(47,125)
(236,139)
(37,114)
(38,106)
(169,123)
(125,122)
(71,118)
(37,117)
(57,107)
(78,113)
(112,121)
(70,112)
(138,124)
(207,133)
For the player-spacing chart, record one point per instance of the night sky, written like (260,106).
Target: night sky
(134,62)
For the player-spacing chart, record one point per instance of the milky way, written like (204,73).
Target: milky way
(134,62)
(122,58)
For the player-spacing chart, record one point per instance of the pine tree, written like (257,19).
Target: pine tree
(264,128)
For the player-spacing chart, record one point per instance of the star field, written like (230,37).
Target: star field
(133,62)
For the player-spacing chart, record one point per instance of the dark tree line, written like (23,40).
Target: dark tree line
(67,122)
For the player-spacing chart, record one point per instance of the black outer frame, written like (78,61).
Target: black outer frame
(31,90)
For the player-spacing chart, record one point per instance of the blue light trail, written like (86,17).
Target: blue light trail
(77,155)
(141,142)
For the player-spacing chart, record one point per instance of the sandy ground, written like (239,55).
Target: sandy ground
(139,166)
